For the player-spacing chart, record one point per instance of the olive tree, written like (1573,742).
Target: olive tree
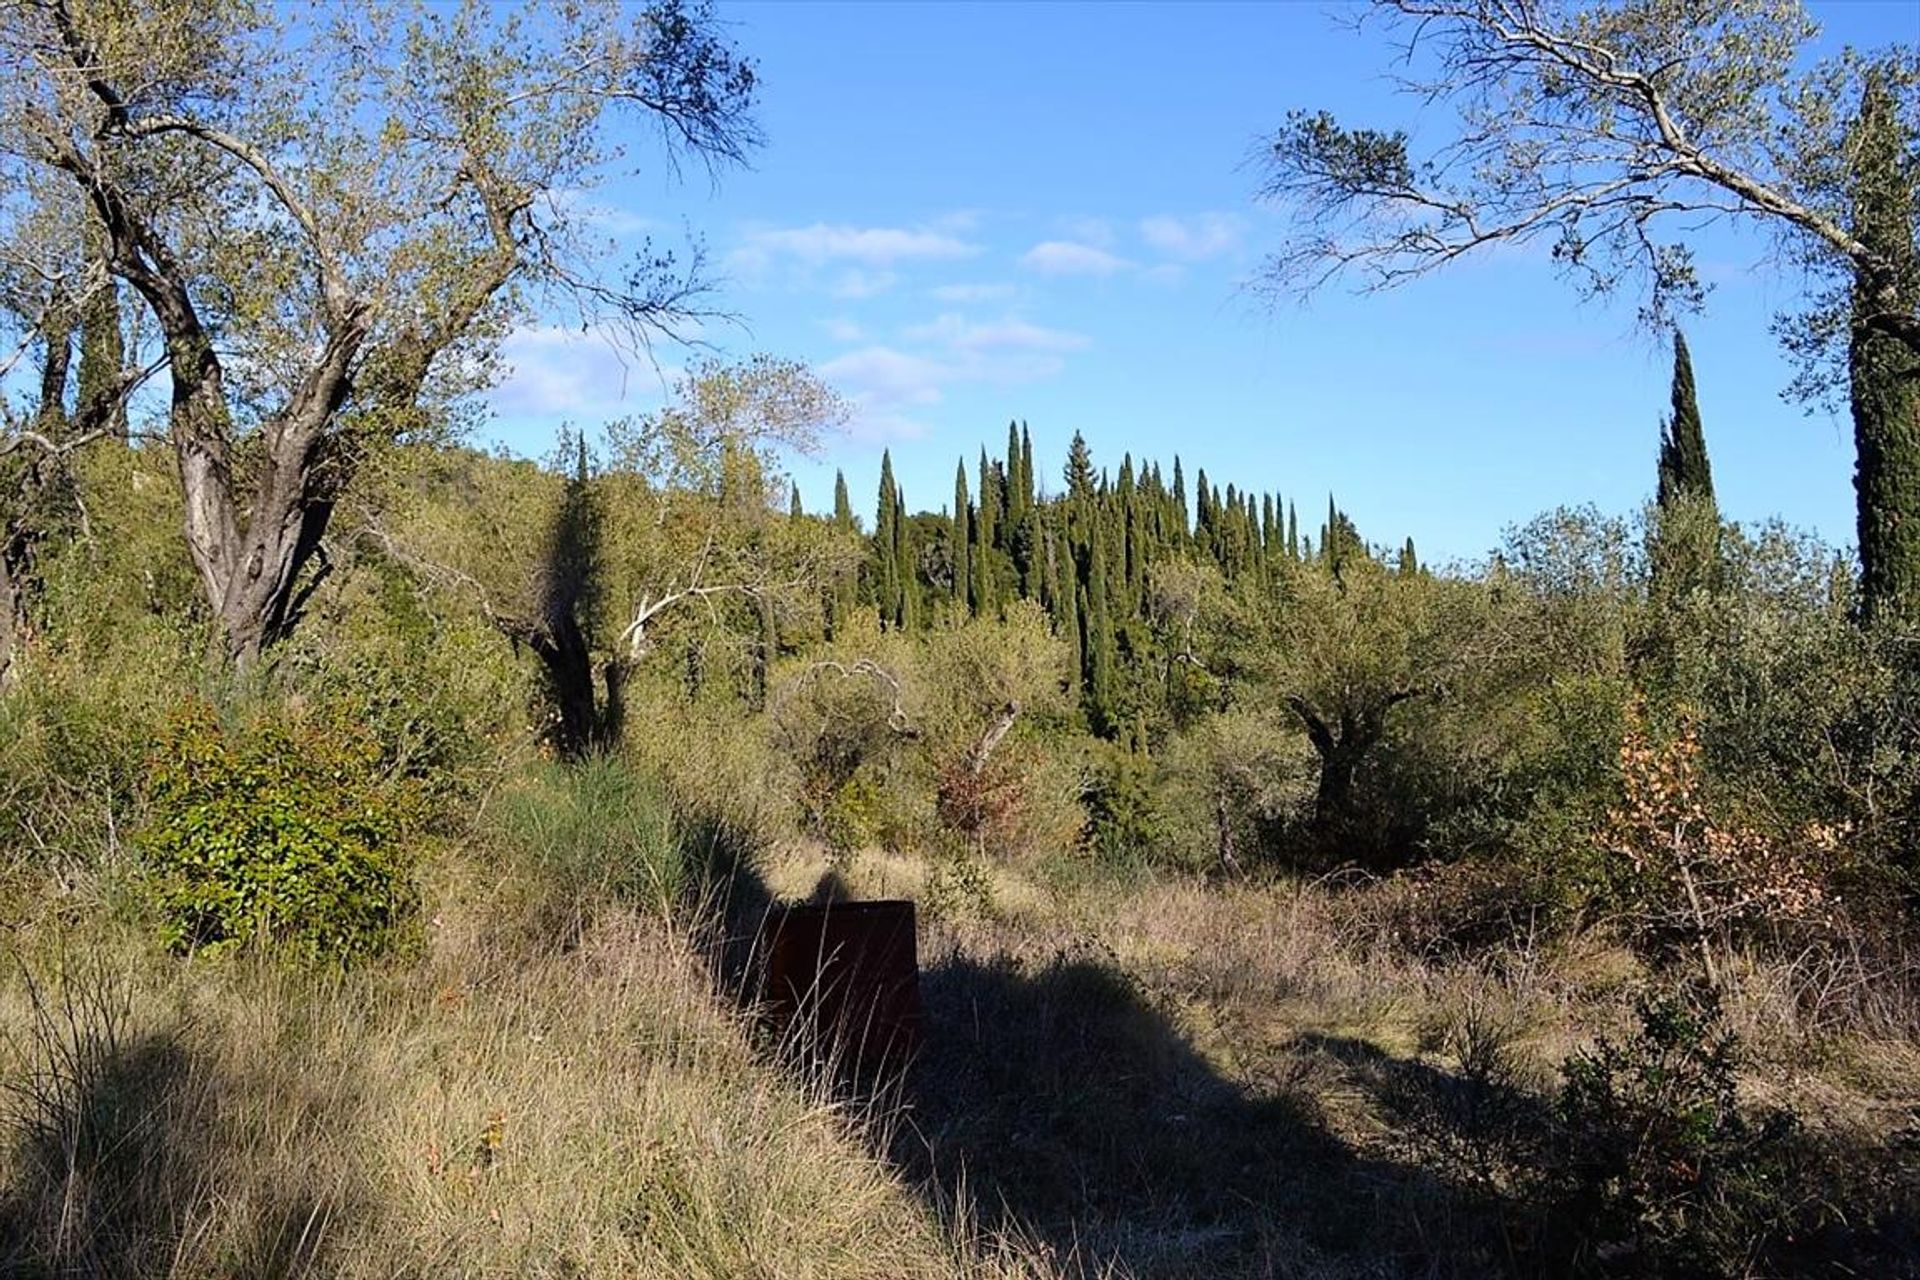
(333,217)
(584,561)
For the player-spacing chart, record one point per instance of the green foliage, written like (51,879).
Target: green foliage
(1657,1161)
(1683,467)
(1126,826)
(282,832)
(1884,371)
(582,836)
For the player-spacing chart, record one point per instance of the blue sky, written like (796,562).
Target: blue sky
(971,213)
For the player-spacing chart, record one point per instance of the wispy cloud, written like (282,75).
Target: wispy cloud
(1097,232)
(891,385)
(858,283)
(1071,258)
(873,247)
(972,292)
(962,335)
(559,372)
(1194,238)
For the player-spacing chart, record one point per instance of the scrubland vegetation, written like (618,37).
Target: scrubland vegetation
(381,863)
(1603,960)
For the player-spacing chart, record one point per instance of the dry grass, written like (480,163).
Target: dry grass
(1188,1080)
(592,1112)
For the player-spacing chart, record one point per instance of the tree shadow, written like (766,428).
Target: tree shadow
(1070,1110)
(1054,1103)
(123,1164)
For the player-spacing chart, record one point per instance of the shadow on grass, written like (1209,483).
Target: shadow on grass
(1054,1104)
(119,1162)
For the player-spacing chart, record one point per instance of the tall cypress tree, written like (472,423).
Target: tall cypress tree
(1018,487)
(886,544)
(1180,496)
(1100,640)
(1684,468)
(906,572)
(794,508)
(1026,467)
(962,536)
(1409,561)
(842,508)
(1067,616)
(1883,373)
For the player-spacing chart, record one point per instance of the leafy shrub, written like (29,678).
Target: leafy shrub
(1125,823)
(1659,1167)
(1686,875)
(284,831)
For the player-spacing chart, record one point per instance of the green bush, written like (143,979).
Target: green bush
(1660,1169)
(284,832)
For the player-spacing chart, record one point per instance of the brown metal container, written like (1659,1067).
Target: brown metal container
(843,981)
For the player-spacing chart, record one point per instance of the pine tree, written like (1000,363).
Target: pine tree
(962,536)
(1683,444)
(1883,373)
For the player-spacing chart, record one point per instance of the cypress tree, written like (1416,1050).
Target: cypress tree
(1067,590)
(886,544)
(1018,486)
(1884,373)
(962,535)
(1293,534)
(794,508)
(1684,468)
(842,508)
(1026,467)
(1409,562)
(1180,496)
(908,598)
(1100,641)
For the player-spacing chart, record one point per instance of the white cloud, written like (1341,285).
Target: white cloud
(961,335)
(1195,238)
(560,372)
(1097,232)
(841,329)
(896,376)
(972,292)
(1069,258)
(875,247)
(889,386)
(858,284)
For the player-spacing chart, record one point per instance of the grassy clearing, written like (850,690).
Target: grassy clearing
(537,1092)
(1181,1080)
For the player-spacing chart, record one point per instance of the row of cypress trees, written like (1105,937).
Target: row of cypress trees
(1082,553)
